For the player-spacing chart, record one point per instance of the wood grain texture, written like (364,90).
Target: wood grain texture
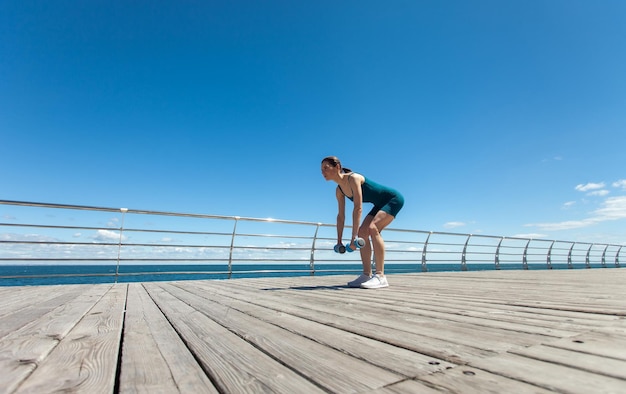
(24,349)
(456,332)
(85,361)
(154,357)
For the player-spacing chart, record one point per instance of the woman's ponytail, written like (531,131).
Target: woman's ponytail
(334,161)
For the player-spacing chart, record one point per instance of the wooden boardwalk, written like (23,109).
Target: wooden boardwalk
(468,332)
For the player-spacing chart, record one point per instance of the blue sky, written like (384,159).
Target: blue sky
(501,118)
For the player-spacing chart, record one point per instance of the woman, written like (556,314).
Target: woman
(387,203)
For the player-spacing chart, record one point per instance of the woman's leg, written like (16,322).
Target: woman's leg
(366,250)
(371,229)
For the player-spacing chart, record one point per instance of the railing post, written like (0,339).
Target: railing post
(587,263)
(617,257)
(232,244)
(569,256)
(525,256)
(604,256)
(497,258)
(424,266)
(463,260)
(119,246)
(312,261)
(549,258)
(373,263)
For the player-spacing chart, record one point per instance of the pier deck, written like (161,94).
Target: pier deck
(469,332)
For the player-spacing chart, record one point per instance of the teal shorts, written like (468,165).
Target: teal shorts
(391,206)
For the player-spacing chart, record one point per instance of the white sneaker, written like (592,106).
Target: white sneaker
(375,283)
(360,280)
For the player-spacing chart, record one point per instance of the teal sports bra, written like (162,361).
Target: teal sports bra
(374,193)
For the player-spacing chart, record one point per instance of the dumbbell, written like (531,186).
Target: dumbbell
(359,242)
(339,248)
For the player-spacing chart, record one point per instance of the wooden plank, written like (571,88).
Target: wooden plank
(380,329)
(487,307)
(21,297)
(468,380)
(22,350)
(29,311)
(573,306)
(499,317)
(170,366)
(336,371)
(482,324)
(538,288)
(405,387)
(85,361)
(550,376)
(400,360)
(432,325)
(233,364)
(532,315)
(606,343)
(576,359)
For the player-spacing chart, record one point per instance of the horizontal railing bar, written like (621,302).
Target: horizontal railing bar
(149,212)
(110,228)
(149,231)
(204,273)
(136,230)
(29,225)
(153,245)
(112,274)
(37,276)
(223,260)
(60,206)
(59,243)
(273,236)
(56,259)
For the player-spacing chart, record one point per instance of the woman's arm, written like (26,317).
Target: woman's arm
(357,197)
(341,213)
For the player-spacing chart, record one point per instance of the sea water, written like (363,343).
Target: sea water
(25,275)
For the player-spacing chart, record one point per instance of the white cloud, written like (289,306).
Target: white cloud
(566,225)
(108,235)
(589,186)
(620,184)
(613,208)
(568,204)
(530,235)
(600,193)
(26,237)
(453,224)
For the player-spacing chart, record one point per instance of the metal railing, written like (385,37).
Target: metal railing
(121,243)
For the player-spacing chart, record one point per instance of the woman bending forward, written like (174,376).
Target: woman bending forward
(387,203)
